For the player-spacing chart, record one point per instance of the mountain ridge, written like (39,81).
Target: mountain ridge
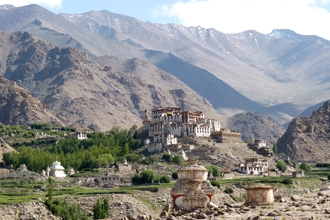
(77,88)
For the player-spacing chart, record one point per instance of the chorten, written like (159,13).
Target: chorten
(259,194)
(56,170)
(192,190)
(146,122)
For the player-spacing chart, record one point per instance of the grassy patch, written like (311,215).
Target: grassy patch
(146,202)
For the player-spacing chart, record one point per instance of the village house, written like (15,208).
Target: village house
(169,123)
(260,142)
(112,178)
(56,129)
(260,146)
(82,135)
(253,166)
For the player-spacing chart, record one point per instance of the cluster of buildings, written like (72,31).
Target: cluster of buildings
(166,124)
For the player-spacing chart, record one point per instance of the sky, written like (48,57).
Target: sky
(308,17)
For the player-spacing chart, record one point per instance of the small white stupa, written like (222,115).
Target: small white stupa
(56,170)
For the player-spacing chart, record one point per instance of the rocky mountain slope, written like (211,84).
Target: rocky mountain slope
(63,33)
(91,94)
(293,65)
(17,106)
(307,139)
(257,126)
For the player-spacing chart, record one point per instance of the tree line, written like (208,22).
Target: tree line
(96,151)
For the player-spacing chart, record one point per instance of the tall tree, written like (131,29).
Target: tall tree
(275,148)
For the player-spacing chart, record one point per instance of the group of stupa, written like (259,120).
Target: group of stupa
(193,190)
(56,170)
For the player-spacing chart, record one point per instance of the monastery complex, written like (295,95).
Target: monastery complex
(169,123)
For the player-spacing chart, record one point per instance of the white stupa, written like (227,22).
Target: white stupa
(56,170)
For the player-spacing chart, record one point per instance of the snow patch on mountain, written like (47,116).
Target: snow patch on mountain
(285,34)
(6,7)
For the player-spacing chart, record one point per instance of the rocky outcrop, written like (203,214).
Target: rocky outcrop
(307,139)
(4,148)
(18,106)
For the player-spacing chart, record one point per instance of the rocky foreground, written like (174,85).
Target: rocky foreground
(291,203)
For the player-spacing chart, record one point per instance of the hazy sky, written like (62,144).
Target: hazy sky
(228,16)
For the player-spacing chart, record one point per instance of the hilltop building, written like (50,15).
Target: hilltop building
(225,135)
(166,124)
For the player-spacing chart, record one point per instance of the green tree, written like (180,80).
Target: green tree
(305,166)
(148,176)
(215,183)
(50,189)
(275,148)
(167,157)
(151,159)
(175,175)
(101,211)
(228,190)
(136,179)
(133,158)
(104,159)
(165,179)
(281,165)
(178,159)
(215,170)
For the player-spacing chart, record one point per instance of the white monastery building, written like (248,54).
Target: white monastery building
(168,123)
(253,166)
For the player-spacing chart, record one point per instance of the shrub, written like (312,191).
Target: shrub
(287,181)
(228,190)
(150,160)
(167,157)
(133,158)
(323,165)
(149,176)
(178,160)
(281,165)
(175,176)
(304,166)
(136,179)
(165,179)
(215,183)
(65,210)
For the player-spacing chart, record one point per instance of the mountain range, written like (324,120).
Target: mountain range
(103,69)
(90,94)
